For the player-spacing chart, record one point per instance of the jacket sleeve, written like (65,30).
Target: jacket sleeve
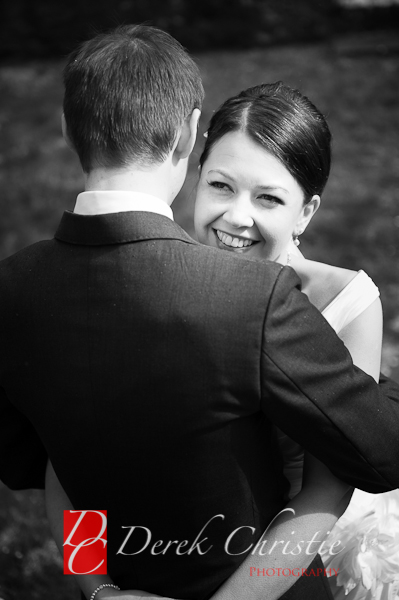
(23,458)
(312,391)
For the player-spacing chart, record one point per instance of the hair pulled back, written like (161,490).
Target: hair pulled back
(283,122)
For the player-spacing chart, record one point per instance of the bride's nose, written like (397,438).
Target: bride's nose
(238,215)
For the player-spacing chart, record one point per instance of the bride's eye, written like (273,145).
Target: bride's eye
(219,185)
(268,200)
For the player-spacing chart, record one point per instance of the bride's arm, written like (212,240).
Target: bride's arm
(309,516)
(317,507)
(56,502)
(323,497)
(363,338)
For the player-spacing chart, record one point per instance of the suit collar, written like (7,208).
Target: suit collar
(103,202)
(118,228)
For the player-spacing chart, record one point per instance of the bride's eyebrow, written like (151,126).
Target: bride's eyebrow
(271,188)
(221,172)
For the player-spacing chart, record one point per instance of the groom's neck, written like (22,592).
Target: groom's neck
(155,180)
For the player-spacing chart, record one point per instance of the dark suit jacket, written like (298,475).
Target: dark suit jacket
(152,368)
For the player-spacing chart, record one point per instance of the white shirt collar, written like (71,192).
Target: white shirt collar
(105,202)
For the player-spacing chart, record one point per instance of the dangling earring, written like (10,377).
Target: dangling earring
(296,243)
(295,238)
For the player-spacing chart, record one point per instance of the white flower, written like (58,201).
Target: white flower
(368,564)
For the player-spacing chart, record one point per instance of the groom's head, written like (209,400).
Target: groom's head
(127,94)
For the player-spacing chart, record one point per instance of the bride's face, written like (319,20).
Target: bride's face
(247,201)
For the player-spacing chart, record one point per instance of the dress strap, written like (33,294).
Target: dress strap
(352,300)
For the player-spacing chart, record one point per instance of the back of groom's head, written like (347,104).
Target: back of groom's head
(127,92)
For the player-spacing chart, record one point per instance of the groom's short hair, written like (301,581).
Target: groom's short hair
(126,94)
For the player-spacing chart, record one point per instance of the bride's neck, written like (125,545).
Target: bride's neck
(300,265)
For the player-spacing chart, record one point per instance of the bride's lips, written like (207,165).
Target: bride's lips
(233,243)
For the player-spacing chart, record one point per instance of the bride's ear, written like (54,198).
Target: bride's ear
(188,135)
(308,212)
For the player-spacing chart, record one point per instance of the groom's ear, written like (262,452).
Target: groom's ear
(188,135)
(65,133)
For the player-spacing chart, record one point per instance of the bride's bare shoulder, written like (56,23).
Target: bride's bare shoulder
(321,282)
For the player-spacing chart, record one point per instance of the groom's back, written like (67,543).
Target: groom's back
(138,363)
(134,351)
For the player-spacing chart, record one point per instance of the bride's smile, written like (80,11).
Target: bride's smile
(233,242)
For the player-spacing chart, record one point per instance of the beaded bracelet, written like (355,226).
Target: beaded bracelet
(101,587)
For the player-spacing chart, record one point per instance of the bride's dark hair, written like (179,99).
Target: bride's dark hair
(286,124)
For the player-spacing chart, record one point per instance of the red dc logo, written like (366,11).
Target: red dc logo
(85,542)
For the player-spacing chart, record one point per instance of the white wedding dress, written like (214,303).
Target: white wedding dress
(368,563)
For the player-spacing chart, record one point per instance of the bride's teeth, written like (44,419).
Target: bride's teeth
(234,242)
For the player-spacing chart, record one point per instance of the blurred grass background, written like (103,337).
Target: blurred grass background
(353,79)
